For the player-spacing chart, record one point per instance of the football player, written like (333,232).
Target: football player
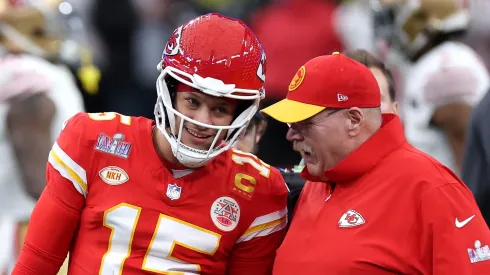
(128,195)
(443,78)
(36,96)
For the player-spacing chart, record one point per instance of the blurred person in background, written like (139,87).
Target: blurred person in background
(256,128)
(114,181)
(234,8)
(478,35)
(383,76)
(37,94)
(291,31)
(354,24)
(443,78)
(114,23)
(476,165)
(128,35)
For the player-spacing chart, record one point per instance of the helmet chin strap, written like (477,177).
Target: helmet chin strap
(189,161)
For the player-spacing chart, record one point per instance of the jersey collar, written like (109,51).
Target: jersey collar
(389,137)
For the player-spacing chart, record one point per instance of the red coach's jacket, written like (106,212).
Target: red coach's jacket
(392,210)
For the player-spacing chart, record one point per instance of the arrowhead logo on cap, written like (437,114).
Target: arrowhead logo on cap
(297,79)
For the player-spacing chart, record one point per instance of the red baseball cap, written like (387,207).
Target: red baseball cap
(329,81)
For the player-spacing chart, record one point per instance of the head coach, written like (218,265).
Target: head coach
(373,204)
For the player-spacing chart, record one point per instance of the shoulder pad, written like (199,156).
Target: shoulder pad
(255,165)
(252,176)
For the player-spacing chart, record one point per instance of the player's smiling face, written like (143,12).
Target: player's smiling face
(205,109)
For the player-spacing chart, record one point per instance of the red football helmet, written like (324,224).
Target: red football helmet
(219,56)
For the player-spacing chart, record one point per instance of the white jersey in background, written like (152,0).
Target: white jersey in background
(450,73)
(25,75)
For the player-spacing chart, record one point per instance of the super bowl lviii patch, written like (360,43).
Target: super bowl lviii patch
(113,145)
(479,253)
(225,213)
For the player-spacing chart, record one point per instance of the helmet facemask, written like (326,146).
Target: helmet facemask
(169,124)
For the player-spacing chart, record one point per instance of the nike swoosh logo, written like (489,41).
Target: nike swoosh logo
(463,223)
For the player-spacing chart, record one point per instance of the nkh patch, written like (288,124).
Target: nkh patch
(174,191)
(479,253)
(225,213)
(113,145)
(113,175)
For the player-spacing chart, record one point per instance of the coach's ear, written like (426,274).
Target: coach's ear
(355,116)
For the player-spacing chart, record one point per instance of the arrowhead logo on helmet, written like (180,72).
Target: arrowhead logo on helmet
(262,67)
(173,44)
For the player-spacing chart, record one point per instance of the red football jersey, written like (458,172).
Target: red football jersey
(139,217)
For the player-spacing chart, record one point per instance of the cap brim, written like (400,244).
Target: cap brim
(290,111)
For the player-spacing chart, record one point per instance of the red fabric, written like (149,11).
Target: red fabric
(335,81)
(142,206)
(394,210)
(293,32)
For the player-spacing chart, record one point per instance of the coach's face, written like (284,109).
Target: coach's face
(320,139)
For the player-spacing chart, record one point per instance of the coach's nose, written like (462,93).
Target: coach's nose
(293,134)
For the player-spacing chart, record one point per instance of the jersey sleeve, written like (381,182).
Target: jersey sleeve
(57,213)
(455,235)
(255,250)
(70,157)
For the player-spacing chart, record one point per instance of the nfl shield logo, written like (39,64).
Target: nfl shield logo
(173,191)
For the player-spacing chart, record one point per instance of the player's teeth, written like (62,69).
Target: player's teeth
(194,133)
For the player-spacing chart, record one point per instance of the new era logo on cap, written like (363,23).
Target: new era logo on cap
(341,97)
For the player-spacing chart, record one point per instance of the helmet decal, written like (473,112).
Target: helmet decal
(173,44)
(261,70)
